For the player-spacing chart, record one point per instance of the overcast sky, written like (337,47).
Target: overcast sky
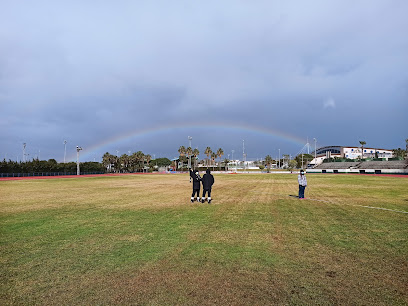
(90,72)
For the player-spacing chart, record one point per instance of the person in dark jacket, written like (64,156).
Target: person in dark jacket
(196,178)
(208,181)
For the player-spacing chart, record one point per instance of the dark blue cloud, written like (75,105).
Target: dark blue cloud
(88,72)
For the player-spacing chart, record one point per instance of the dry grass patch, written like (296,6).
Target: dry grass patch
(139,240)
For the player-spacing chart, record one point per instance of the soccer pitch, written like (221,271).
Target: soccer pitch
(137,239)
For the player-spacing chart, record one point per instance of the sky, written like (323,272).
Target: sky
(261,76)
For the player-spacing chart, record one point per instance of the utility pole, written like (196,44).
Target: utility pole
(65,149)
(315,141)
(78,149)
(307,144)
(243,153)
(189,156)
(24,152)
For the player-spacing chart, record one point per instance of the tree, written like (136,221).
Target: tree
(406,146)
(268,162)
(139,159)
(287,157)
(182,151)
(399,153)
(303,159)
(162,162)
(291,164)
(226,161)
(220,153)
(213,157)
(189,152)
(208,152)
(125,162)
(148,158)
(107,161)
(362,142)
(195,154)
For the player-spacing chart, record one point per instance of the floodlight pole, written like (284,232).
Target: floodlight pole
(189,156)
(243,153)
(78,149)
(24,152)
(315,141)
(65,149)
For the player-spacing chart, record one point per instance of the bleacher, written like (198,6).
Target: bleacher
(394,164)
(338,165)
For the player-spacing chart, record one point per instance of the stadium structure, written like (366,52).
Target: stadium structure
(338,159)
(348,153)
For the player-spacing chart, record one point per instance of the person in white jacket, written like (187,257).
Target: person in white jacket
(302,184)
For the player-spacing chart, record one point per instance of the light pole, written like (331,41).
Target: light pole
(24,152)
(243,153)
(315,141)
(65,149)
(78,149)
(189,156)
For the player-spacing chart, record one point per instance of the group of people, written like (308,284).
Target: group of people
(207,180)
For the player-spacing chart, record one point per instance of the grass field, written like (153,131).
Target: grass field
(137,239)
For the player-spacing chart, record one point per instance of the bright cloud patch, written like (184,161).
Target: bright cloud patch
(329,103)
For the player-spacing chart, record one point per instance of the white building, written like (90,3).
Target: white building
(348,153)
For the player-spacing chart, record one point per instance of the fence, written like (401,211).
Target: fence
(45,174)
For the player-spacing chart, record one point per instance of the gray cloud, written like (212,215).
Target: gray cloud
(95,70)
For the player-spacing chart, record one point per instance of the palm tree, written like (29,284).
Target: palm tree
(220,153)
(362,148)
(124,161)
(148,158)
(116,163)
(213,157)
(268,161)
(139,158)
(208,152)
(406,147)
(226,161)
(106,161)
(189,152)
(182,151)
(195,154)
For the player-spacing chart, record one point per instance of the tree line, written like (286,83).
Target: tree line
(136,162)
(48,166)
(187,153)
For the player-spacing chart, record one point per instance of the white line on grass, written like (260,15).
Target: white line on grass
(372,207)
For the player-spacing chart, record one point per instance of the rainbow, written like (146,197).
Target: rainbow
(88,150)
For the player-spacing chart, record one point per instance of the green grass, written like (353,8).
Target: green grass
(138,240)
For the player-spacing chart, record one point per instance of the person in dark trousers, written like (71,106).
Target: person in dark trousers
(302,184)
(196,178)
(208,181)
